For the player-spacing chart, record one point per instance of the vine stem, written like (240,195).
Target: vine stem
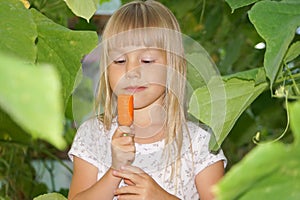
(202,12)
(256,138)
(293,80)
(280,80)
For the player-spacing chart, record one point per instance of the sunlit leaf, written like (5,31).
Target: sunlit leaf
(200,69)
(276,22)
(18,30)
(85,10)
(31,97)
(270,171)
(63,48)
(221,112)
(258,75)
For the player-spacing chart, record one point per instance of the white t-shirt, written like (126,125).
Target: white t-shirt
(93,145)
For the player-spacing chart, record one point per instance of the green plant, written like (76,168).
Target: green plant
(39,63)
(271,170)
(249,79)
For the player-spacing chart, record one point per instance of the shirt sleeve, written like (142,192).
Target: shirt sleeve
(85,143)
(202,156)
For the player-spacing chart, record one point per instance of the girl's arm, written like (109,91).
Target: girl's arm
(141,186)
(207,178)
(84,183)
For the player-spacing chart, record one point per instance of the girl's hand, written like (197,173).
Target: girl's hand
(122,147)
(142,187)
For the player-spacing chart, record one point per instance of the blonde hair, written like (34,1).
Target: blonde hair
(153,25)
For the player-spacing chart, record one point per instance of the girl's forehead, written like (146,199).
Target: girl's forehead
(129,49)
(145,37)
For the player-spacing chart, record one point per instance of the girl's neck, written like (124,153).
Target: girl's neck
(145,136)
(149,124)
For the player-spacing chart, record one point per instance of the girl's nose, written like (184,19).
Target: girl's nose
(133,70)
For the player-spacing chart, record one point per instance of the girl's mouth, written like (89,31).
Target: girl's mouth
(134,89)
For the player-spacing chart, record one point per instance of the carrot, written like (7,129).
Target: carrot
(125,110)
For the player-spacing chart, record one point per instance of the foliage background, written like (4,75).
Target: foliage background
(43,58)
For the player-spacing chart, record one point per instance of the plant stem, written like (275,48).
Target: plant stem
(202,11)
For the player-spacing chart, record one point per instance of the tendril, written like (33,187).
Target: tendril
(281,92)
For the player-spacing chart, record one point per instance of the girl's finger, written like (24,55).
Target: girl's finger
(136,176)
(132,169)
(133,177)
(129,197)
(126,190)
(128,182)
(125,129)
(121,130)
(124,141)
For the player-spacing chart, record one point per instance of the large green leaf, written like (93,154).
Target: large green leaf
(18,30)
(63,48)
(10,131)
(270,171)
(24,30)
(276,22)
(234,4)
(85,10)
(31,97)
(56,10)
(293,52)
(220,112)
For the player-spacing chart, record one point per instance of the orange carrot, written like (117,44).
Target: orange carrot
(125,110)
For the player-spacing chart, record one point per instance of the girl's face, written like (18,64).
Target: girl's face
(140,72)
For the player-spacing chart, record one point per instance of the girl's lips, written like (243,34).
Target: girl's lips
(134,89)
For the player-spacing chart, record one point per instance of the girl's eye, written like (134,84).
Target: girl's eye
(120,61)
(148,61)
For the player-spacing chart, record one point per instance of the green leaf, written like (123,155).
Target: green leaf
(258,75)
(82,9)
(293,52)
(232,50)
(220,105)
(234,4)
(62,48)
(200,69)
(31,97)
(269,171)
(11,131)
(18,30)
(294,112)
(51,196)
(55,10)
(103,1)
(276,22)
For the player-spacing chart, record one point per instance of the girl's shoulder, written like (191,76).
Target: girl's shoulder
(198,129)
(94,126)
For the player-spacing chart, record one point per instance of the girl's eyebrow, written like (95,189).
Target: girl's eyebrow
(117,52)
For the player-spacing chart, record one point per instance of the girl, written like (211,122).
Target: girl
(162,155)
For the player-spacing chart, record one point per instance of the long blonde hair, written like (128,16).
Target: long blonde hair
(153,25)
